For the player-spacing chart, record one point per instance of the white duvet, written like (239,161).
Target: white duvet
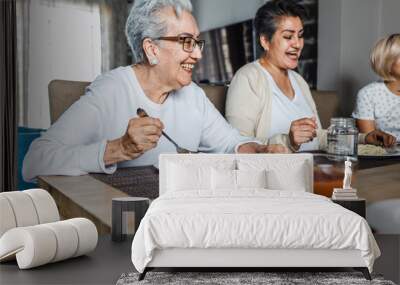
(250,219)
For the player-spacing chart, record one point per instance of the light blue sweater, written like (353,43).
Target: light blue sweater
(76,142)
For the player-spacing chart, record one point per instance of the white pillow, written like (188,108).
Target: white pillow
(251,178)
(223,179)
(185,174)
(237,179)
(173,167)
(283,172)
(293,180)
(183,177)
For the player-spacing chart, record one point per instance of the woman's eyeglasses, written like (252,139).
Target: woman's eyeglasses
(188,43)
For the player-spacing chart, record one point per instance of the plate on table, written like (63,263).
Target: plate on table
(376,152)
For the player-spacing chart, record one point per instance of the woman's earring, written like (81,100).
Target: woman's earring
(154,61)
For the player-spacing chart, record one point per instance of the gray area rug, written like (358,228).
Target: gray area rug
(243,278)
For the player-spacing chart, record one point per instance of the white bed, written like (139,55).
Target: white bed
(247,211)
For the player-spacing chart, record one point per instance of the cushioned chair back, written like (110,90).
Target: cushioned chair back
(217,95)
(62,94)
(25,137)
(327,103)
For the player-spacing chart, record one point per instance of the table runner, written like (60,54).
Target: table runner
(141,181)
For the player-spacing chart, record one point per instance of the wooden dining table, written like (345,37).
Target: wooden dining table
(378,183)
(82,196)
(88,196)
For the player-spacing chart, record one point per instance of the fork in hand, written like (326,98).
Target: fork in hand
(142,113)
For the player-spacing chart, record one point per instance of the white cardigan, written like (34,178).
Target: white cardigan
(249,103)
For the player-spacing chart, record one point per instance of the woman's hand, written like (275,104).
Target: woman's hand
(262,148)
(142,134)
(302,131)
(378,137)
(272,148)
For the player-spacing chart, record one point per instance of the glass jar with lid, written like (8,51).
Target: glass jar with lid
(343,138)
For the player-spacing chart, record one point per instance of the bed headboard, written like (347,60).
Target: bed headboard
(297,166)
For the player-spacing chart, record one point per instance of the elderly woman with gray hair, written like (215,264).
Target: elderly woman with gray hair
(102,129)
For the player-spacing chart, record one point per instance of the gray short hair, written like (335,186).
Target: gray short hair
(143,22)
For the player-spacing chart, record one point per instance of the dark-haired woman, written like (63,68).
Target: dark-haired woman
(267,99)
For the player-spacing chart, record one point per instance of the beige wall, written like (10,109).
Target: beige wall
(64,44)
(347,31)
(212,14)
